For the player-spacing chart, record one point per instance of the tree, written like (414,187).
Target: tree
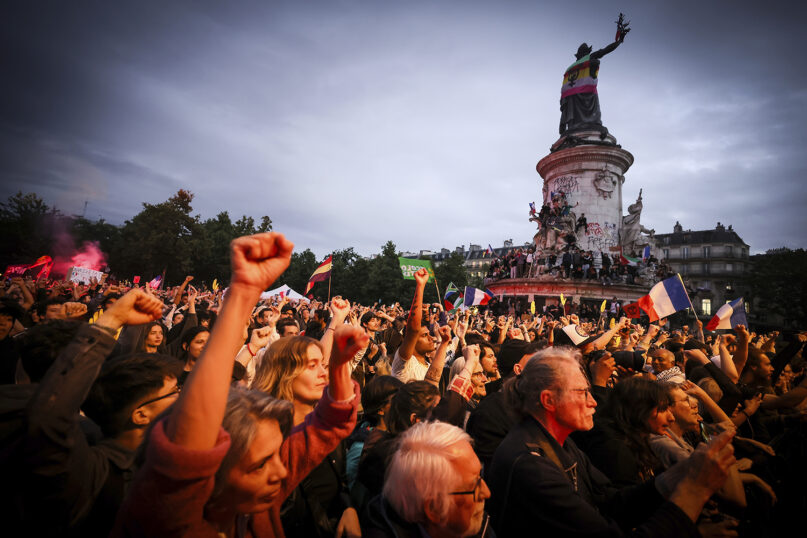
(107,235)
(211,248)
(158,238)
(776,287)
(299,271)
(452,270)
(27,228)
(385,281)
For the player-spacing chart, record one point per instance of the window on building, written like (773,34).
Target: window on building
(729,251)
(705,268)
(729,267)
(666,254)
(706,307)
(685,252)
(707,251)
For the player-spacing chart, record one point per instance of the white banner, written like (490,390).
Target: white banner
(83,275)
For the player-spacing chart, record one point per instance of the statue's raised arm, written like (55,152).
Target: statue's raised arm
(622,29)
(579,103)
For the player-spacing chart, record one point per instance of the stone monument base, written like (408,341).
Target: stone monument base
(548,291)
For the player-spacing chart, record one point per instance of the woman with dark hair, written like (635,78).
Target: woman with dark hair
(293,369)
(412,403)
(192,344)
(376,399)
(152,339)
(619,443)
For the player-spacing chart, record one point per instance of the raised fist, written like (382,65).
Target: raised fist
(258,260)
(421,276)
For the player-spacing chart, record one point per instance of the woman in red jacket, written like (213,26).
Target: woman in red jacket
(219,465)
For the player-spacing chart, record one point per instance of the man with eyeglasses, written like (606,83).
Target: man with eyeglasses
(433,487)
(543,484)
(64,484)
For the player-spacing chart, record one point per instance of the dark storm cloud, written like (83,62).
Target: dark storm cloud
(351,123)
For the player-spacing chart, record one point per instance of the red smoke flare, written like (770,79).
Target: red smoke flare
(89,256)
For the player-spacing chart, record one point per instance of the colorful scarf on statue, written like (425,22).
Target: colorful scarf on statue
(579,78)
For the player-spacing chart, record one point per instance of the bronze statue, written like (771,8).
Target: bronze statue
(579,104)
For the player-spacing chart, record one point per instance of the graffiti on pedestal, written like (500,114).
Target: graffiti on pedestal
(567,184)
(601,237)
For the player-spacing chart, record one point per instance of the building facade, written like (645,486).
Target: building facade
(711,262)
(477,261)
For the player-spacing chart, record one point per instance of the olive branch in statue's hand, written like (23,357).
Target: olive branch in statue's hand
(622,28)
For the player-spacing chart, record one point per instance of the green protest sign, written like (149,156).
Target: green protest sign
(410,265)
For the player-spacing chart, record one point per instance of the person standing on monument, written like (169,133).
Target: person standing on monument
(579,103)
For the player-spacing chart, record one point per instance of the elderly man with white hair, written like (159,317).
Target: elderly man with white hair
(433,487)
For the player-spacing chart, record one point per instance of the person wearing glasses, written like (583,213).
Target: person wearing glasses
(450,503)
(64,483)
(542,484)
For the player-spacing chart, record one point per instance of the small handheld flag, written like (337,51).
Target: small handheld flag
(409,266)
(627,260)
(665,298)
(728,316)
(323,272)
(452,297)
(602,306)
(632,310)
(562,300)
(474,296)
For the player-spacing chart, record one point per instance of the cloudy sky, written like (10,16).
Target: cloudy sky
(351,123)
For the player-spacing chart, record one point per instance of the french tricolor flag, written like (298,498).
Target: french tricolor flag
(474,296)
(729,316)
(665,298)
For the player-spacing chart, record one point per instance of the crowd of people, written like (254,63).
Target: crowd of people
(130,411)
(575,263)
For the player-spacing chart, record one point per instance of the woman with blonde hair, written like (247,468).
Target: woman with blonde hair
(294,369)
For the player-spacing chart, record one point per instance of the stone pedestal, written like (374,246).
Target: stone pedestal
(590,173)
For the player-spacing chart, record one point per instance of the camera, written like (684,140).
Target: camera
(434,309)
(633,360)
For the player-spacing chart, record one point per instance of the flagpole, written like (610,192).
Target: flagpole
(436,287)
(695,314)
(329,285)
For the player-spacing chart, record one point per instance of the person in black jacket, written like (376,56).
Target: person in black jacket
(490,421)
(60,484)
(542,483)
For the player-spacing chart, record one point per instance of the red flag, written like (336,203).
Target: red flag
(136,280)
(632,310)
(646,304)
